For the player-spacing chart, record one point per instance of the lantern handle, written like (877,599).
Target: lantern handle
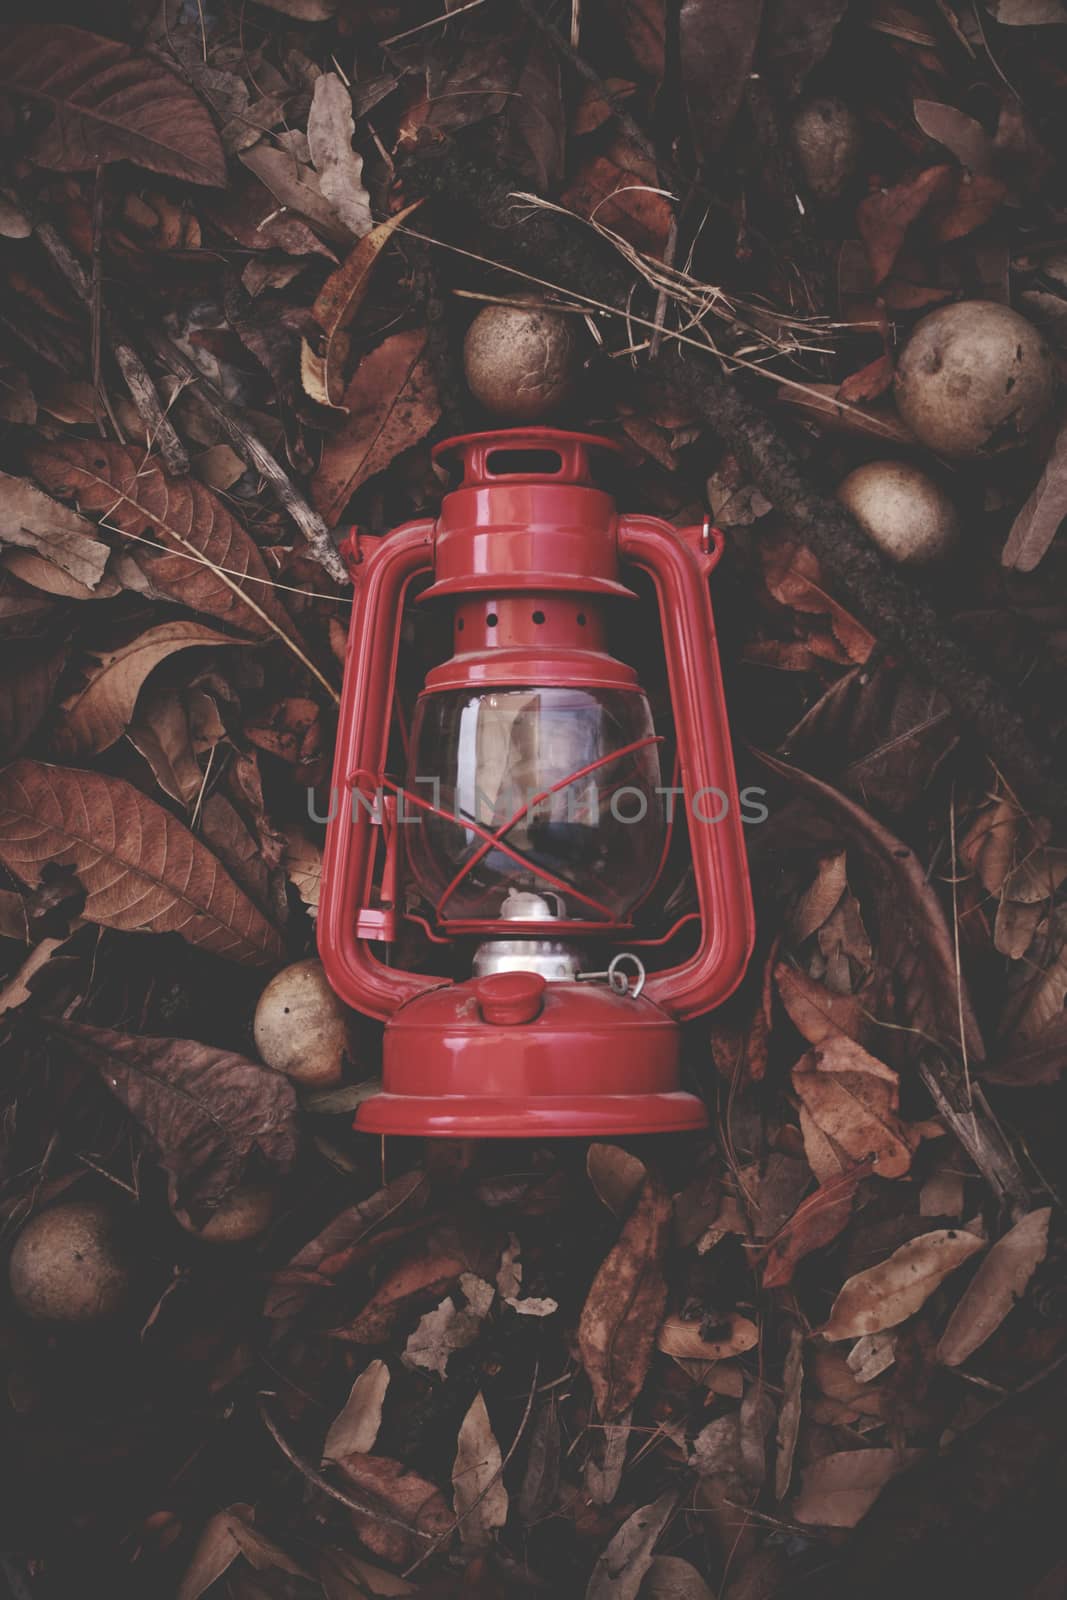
(679,561)
(362,981)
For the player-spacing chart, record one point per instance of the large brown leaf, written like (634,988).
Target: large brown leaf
(209,1112)
(405,1497)
(97,715)
(887,1294)
(142,870)
(718,42)
(622,1311)
(392,404)
(109,104)
(128,488)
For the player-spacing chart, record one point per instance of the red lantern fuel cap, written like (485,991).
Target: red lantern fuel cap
(510,998)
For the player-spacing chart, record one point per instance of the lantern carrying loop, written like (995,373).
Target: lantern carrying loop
(616,978)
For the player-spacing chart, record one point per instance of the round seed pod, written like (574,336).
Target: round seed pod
(71,1264)
(243,1215)
(301,1028)
(907,514)
(974,378)
(827,136)
(519,360)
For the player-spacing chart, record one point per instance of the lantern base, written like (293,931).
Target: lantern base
(563,1116)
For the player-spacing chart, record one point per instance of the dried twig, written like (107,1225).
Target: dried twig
(138,381)
(963,1108)
(255,454)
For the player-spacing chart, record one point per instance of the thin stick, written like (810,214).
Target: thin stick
(138,382)
(254,453)
(433,22)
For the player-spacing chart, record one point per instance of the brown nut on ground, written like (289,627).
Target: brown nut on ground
(301,1028)
(70,1264)
(519,360)
(827,136)
(908,516)
(974,378)
(241,1216)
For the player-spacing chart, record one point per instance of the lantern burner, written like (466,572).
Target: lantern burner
(553,959)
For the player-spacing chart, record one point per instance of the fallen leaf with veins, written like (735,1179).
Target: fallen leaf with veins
(481,1499)
(996,1287)
(839,1489)
(888,1294)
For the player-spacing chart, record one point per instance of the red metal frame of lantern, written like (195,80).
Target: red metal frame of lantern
(528,551)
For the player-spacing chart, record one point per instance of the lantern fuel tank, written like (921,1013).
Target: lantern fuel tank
(517,820)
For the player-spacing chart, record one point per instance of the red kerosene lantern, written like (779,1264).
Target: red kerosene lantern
(534,817)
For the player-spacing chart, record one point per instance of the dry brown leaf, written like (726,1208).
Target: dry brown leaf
(355,1428)
(620,1569)
(816,1222)
(603,1467)
(209,1112)
(1040,518)
(958,132)
(853,1099)
(131,492)
(815,1012)
(294,184)
(838,1490)
(392,403)
(615,1174)
(671,1578)
(324,1258)
(329,134)
(98,714)
(345,1576)
(440,1333)
(142,869)
(717,46)
(884,217)
(794,578)
(481,1500)
(216,1551)
(620,190)
(417,1276)
(336,305)
(820,898)
(407,1496)
(998,1284)
(789,1416)
(886,1295)
(540,1482)
(108,103)
(1040,1003)
(31,519)
(916,943)
(617,1330)
(302,860)
(683,1339)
